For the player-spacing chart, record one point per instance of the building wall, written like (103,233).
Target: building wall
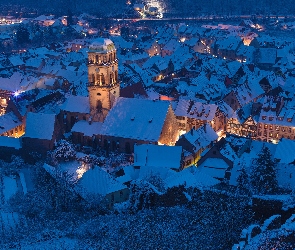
(101,100)
(272,132)
(37,145)
(117,197)
(15,132)
(68,119)
(119,144)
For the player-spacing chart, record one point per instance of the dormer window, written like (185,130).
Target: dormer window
(270,118)
(263,117)
(280,118)
(289,120)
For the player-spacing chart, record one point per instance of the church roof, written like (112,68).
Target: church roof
(138,119)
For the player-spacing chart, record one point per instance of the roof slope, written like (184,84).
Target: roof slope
(139,119)
(78,104)
(155,155)
(97,181)
(40,125)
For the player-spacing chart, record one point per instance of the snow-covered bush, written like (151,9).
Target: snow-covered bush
(64,151)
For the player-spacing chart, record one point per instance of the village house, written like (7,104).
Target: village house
(226,48)
(152,157)
(74,109)
(265,58)
(244,94)
(244,121)
(9,146)
(218,160)
(10,125)
(192,115)
(97,185)
(42,130)
(195,142)
(276,120)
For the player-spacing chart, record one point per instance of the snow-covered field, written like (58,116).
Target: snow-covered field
(9,187)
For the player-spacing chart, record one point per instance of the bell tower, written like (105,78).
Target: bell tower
(103,83)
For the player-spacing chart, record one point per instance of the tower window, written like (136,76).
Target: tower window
(98,94)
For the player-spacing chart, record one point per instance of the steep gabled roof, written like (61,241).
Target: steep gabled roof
(139,119)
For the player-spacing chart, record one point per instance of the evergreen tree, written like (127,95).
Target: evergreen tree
(263,176)
(243,181)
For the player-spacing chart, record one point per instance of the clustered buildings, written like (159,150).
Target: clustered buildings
(209,90)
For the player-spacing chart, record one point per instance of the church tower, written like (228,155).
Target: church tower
(103,84)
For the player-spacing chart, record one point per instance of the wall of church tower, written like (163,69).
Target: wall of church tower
(103,81)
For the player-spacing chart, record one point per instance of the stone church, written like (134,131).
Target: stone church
(116,123)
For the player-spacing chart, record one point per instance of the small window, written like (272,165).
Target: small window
(99,94)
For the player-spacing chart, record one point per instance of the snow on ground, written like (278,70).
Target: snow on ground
(8,221)
(62,243)
(9,187)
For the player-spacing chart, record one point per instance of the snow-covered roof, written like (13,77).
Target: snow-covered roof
(139,119)
(8,121)
(214,167)
(155,155)
(267,55)
(201,137)
(40,125)
(197,110)
(11,142)
(285,151)
(78,104)
(190,177)
(88,129)
(97,182)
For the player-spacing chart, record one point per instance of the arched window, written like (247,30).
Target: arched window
(96,59)
(111,57)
